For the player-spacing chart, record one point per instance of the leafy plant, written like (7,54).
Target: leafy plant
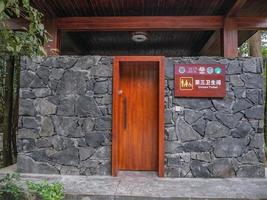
(47,191)
(10,188)
(28,41)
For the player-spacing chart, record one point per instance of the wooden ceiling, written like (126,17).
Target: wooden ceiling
(119,43)
(170,43)
(62,8)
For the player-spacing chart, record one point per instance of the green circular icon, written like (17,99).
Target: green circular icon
(218,70)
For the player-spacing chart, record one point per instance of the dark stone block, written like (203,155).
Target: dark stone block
(200,169)
(43,73)
(103,123)
(229,120)
(229,147)
(68,157)
(215,129)
(26,108)
(30,122)
(200,126)
(252,80)
(26,77)
(197,146)
(223,168)
(86,106)
(101,87)
(256,112)
(66,62)
(241,104)
(94,139)
(251,171)
(192,116)
(185,132)
(242,130)
(233,67)
(66,106)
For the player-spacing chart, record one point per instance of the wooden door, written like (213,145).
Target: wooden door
(138,135)
(138,114)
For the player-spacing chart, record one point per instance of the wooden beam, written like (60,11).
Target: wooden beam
(251,23)
(230,39)
(53,46)
(16,24)
(236,7)
(153,23)
(210,47)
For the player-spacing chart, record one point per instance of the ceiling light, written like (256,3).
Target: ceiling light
(139,36)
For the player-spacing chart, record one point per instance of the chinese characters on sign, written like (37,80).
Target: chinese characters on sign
(199,80)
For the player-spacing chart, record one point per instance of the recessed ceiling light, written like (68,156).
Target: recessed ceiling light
(139,36)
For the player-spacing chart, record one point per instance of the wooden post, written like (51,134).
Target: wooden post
(230,38)
(53,46)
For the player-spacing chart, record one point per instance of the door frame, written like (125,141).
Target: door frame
(115,107)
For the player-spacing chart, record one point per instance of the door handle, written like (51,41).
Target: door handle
(125,112)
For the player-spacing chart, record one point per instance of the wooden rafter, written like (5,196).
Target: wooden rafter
(213,41)
(236,7)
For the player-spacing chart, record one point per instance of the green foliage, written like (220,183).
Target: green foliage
(30,41)
(47,191)
(10,189)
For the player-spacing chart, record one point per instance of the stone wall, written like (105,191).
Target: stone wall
(65,120)
(65,115)
(217,137)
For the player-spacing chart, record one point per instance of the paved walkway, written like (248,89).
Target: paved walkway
(131,186)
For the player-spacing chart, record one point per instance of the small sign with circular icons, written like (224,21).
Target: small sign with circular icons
(199,80)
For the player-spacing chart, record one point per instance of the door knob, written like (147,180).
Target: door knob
(120,92)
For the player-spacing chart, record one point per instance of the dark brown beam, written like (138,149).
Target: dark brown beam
(16,24)
(251,23)
(230,39)
(140,23)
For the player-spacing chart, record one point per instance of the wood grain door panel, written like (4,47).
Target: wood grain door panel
(138,135)
(138,114)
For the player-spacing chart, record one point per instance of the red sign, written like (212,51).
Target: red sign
(199,80)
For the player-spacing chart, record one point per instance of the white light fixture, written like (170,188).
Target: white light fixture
(139,36)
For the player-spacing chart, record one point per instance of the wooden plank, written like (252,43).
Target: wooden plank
(251,23)
(144,23)
(230,39)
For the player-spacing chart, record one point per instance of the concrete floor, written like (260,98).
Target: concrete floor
(131,186)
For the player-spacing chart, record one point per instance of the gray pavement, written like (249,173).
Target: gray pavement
(129,185)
